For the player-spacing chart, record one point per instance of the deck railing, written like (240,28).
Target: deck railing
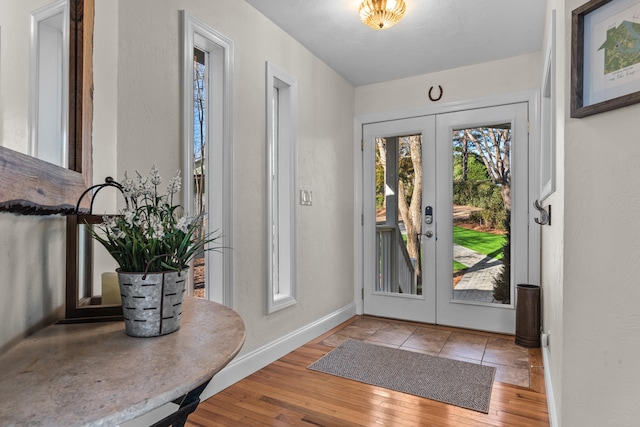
(389,265)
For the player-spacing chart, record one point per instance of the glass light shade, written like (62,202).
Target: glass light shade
(382,14)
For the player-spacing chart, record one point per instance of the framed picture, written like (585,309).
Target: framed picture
(605,56)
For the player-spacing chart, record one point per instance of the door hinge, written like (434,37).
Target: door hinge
(528,127)
(361,219)
(362,145)
(362,293)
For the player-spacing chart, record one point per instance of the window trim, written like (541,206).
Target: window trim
(37,55)
(281,132)
(221,120)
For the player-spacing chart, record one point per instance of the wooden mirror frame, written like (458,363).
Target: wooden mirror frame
(31,186)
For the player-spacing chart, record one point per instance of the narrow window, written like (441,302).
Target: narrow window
(281,137)
(200,110)
(207,153)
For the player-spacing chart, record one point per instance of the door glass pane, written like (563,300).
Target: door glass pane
(481,213)
(398,214)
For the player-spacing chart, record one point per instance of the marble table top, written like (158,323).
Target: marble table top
(93,374)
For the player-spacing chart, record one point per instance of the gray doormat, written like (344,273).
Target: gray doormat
(450,381)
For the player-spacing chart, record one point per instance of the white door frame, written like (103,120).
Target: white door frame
(220,267)
(530,96)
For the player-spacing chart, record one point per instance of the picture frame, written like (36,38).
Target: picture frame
(605,56)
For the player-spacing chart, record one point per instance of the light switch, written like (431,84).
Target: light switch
(305,197)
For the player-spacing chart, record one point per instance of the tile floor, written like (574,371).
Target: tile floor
(511,361)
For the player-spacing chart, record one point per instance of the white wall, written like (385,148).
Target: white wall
(600,373)
(105,102)
(149,132)
(590,258)
(552,237)
(31,274)
(459,84)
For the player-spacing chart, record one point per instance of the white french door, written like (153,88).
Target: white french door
(421,263)
(397,284)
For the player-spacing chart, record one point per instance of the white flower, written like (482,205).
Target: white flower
(111,227)
(129,187)
(145,187)
(130,218)
(183,224)
(116,233)
(175,183)
(156,227)
(155,224)
(155,176)
(158,232)
(109,221)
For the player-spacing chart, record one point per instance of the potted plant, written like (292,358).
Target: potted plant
(153,242)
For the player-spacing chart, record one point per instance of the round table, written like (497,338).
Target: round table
(94,374)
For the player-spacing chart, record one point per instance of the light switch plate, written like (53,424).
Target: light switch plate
(305,197)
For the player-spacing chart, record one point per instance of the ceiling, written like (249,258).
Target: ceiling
(434,35)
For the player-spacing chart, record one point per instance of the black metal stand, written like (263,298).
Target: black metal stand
(188,403)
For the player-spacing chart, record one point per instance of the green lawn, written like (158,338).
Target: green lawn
(457,266)
(480,241)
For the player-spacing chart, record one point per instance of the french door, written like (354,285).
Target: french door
(400,265)
(445,217)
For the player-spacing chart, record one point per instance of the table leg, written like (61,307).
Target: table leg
(188,403)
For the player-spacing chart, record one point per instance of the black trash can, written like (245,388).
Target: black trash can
(528,316)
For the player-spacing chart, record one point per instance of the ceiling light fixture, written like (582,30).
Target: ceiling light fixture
(382,14)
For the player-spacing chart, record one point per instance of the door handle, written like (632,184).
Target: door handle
(428,234)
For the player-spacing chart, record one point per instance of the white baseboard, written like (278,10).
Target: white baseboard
(247,364)
(551,402)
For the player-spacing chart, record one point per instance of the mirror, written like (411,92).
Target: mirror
(49,83)
(29,185)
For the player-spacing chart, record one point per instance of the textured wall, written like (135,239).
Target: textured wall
(601,266)
(32,274)
(601,270)
(552,237)
(149,132)
(459,84)
(590,258)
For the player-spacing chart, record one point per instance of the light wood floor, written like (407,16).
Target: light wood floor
(286,393)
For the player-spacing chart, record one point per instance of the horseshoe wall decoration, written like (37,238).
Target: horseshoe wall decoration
(439,97)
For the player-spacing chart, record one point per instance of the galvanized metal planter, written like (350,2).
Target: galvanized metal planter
(152,302)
